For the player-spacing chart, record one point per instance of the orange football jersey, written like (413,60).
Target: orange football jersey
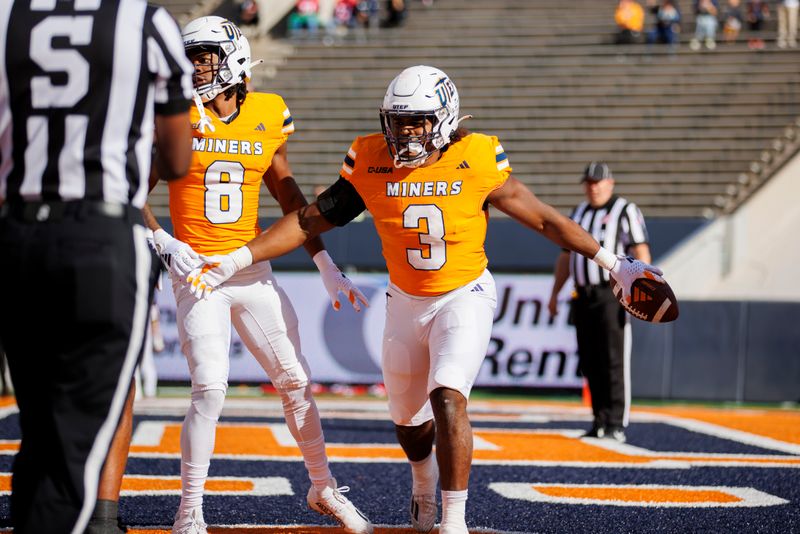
(430,219)
(214,208)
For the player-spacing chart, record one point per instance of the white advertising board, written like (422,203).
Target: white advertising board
(527,348)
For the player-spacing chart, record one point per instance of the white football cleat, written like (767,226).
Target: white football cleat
(330,501)
(424,512)
(190,523)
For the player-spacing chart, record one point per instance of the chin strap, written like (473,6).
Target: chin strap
(205,120)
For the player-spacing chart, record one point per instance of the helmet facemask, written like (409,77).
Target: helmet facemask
(221,75)
(410,150)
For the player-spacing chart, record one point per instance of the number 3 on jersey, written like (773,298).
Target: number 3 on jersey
(224,199)
(433,255)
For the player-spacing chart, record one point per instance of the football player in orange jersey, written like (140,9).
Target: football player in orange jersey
(428,195)
(239,140)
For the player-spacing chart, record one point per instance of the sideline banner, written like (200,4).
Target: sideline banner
(527,348)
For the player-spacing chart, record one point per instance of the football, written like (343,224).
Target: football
(651,299)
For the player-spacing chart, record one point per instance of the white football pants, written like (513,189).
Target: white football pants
(264,318)
(433,342)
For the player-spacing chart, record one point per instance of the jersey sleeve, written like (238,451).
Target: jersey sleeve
(633,229)
(501,162)
(349,163)
(287,127)
(167,62)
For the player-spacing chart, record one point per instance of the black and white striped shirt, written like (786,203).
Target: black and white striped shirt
(617,226)
(80,82)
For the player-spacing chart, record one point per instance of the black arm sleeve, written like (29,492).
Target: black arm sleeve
(340,203)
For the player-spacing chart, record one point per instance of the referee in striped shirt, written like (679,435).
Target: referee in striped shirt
(83,86)
(602,325)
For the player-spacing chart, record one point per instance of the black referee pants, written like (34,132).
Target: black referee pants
(77,290)
(600,324)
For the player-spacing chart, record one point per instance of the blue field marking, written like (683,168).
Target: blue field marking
(9,427)
(667,438)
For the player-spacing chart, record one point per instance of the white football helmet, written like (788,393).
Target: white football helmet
(418,94)
(225,39)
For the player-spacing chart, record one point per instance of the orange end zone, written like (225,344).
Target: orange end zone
(632,495)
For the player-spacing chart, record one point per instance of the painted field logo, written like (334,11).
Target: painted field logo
(646,495)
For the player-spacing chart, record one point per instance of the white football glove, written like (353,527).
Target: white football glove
(217,269)
(335,282)
(177,256)
(627,269)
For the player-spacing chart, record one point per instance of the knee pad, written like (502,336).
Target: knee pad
(208,403)
(403,415)
(296,396)
(291,379)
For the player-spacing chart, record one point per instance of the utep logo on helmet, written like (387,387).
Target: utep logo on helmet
(445,90)
(231,31)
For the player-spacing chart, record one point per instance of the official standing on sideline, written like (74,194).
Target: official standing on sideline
(82,85)
(602,325)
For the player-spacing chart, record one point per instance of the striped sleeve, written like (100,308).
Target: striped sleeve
(501,159)
(349,161)
(633,229)
(287,128)
(168,64)
(501,162)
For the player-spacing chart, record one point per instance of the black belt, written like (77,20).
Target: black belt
(72,209)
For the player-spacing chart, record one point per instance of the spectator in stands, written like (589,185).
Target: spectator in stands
(757,13)
(787,23)
(705,12)
(342,20)
(344,13)
(397,14)
(732,20)
(304,17)
(629,17)
(667,25)
(248,13)
(366,14)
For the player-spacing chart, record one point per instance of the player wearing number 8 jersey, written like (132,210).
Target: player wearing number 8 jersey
(215,206)
(239,141)
(428,194)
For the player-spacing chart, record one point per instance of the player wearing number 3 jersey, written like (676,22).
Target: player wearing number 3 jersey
(429,195)
(239,141)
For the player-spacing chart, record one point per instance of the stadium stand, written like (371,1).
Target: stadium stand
(186,10)
(686,133)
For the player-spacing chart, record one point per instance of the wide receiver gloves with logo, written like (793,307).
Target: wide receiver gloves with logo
(625,270)
(217,269)
(336,282)
(177,256)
